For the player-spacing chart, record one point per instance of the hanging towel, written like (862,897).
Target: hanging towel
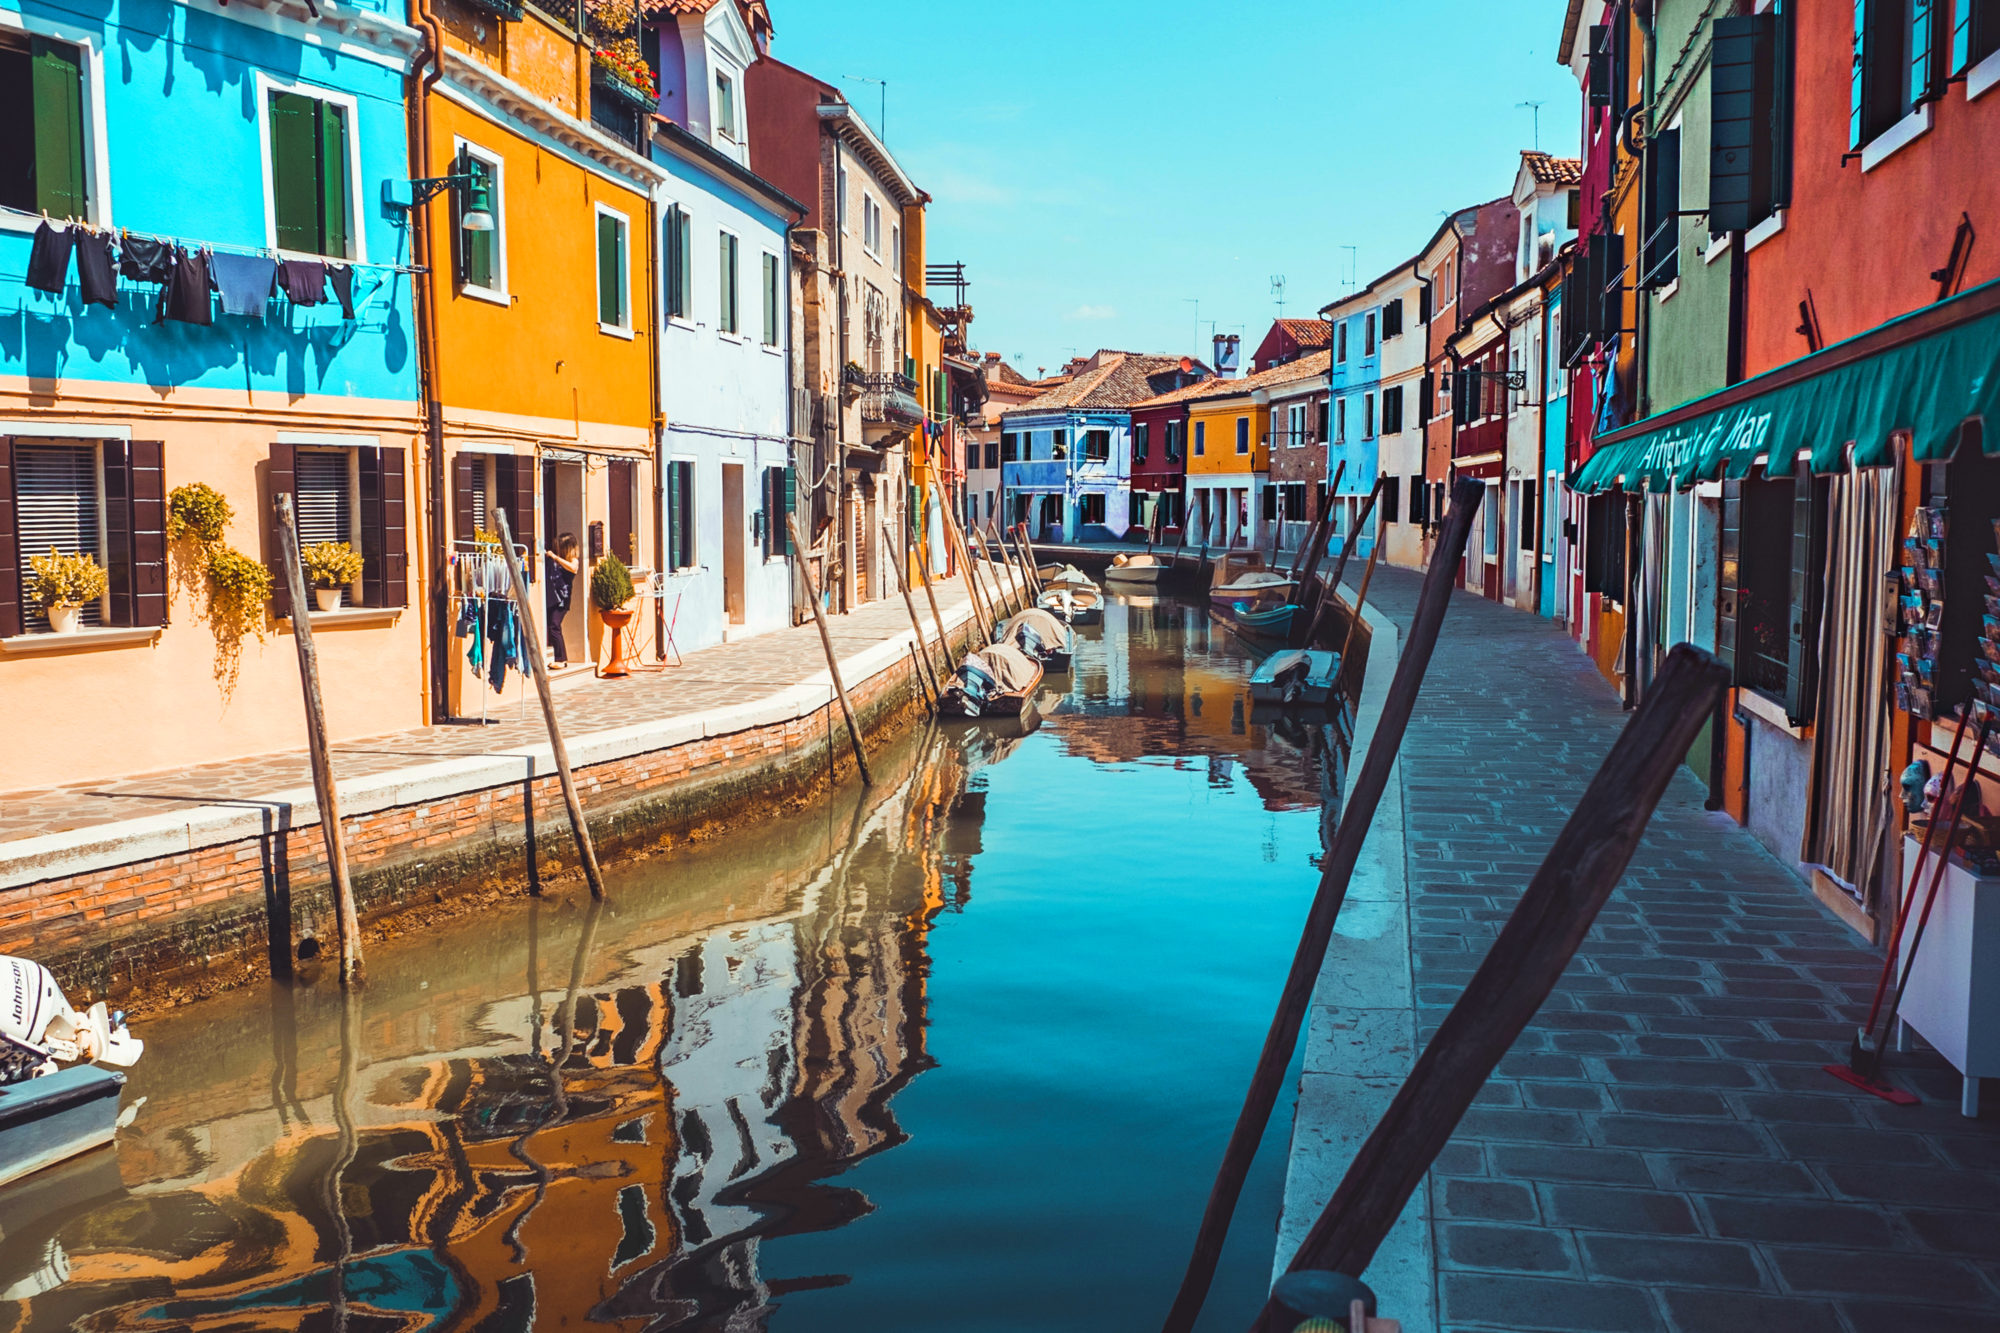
(499,628)
(96,268)
(304,281)
(186,296)
(341,276)
(48,259)
(475,651)
(145,258)
(246,283)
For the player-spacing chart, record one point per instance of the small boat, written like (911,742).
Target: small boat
(1256,585)
(1297,675)
(997,682)
(1041,636)
(1265,622)
(1143,567)
(1069,595)
(49,1114)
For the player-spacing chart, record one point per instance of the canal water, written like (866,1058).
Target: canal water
(958,1053)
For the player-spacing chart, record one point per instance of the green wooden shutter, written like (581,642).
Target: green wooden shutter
(1809,507)
(673,517)
(686,250)
(331,163)
(1735,134)
(57,78)
(610,306)
(294,184)
(791,505)
(726,313)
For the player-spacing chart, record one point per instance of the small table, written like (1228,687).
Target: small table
(1953,998)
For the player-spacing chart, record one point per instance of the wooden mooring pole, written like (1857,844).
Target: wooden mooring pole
(1330,590)
(832,663)
(982,611)
(932,691)
(531,638)
(1360,599)
(930,595)
(1336,870)
(1523,966)
(1004,559)
(347,921)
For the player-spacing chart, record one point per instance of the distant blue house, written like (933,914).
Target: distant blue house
(1066,457)
(239,137)
(1354,429)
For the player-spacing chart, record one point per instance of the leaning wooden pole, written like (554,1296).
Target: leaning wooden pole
(1360,600)
(1336,870)
(531,638)
(1005,560)
(910,604)
(982,610)
(1010,545)
(1313,529)
(1523,966)
(1027,545)
(930,595)
(832,662)
(347,921)
(1330,590)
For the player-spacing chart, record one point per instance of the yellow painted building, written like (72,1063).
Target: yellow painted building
(1228,451)
(544,300)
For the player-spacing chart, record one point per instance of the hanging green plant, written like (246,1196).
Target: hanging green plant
(238,588)
(610,584)
(64,580)
(331,564)
(197,512)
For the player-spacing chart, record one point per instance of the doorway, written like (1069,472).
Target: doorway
(562,512)
(732,542)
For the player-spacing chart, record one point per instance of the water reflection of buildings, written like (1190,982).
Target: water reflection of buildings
(623,1170)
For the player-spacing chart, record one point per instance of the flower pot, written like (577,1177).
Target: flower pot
(62,619)
(616,621)
(328,599)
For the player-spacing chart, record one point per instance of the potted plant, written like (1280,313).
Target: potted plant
(610,590)
(330,566)
(61,584)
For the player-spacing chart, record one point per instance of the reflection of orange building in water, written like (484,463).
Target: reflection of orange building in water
(620,1172)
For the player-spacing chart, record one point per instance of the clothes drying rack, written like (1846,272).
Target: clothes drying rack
(480,573)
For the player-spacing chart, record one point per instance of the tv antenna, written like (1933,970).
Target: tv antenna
(1536,109)
(1353,277)
(881,120)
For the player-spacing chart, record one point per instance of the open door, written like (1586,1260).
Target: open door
(733,524)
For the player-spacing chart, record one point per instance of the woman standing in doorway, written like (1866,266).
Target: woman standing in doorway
(562,563)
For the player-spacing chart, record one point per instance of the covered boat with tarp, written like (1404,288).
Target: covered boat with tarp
(1040,635)
(995,682)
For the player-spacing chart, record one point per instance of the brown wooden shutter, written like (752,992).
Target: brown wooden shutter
(10,546)
(623,475)
(1808,592)
(463,480)
(385,561)
(149,531)
(514,491)
(283,481)
(118,530)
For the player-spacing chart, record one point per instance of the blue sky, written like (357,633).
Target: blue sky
(1100,164)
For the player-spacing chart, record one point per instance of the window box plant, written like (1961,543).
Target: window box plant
(621,69)
(611,591)
(330,566)
(60,585)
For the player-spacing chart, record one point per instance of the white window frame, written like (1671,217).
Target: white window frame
(622,330)
(1340,420)
(357,230)
(725,106)
(871,225)
(1367,416)
(498,165)
(97,154)
(840,197)
(102,553)
(1369,341)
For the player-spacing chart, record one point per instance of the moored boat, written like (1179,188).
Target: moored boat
(996,682)
(1069,595)
(1142,568)
(1041,636)
(1263,622)
(1297,675)
(49,1114)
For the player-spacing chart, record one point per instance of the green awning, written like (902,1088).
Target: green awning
(1927,372)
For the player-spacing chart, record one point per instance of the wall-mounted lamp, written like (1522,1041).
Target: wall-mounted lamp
(475,192)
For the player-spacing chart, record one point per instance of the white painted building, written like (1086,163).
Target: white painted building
(1400,453)
(727,477)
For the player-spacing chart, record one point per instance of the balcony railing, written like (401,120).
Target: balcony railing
(890,400)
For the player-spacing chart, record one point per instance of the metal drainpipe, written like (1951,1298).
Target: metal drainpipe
(435,595)
(840,523)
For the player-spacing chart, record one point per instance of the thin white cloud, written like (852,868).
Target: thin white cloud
(1094,312)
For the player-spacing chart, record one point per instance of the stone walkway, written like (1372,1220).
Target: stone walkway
(726,674)
(1660,1150)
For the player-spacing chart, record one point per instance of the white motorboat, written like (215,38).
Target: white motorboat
(49,1114)
(1143,567)
(1297,675)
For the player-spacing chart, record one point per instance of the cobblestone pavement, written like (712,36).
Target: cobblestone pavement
(1661,1149)
(715,677)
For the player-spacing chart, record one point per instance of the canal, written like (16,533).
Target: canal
(958,1053)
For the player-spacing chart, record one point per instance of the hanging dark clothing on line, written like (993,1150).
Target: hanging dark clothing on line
(341,278)
(246,283)
(145,258)
(304,281)
(96,269)
(186,296)
(48,258)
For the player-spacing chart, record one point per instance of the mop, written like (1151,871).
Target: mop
(1864,1061)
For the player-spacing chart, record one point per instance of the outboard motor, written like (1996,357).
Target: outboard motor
(974,686)
(38,1027)
(1030,643)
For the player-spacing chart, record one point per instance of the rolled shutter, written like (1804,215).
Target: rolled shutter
(57,79)
(282,479)
(385,559)
(1808,589)
(621,477)
(464,523)
(1729,576)
(10,547)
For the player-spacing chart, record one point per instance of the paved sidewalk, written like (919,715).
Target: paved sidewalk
(743,672)
(1661,1149)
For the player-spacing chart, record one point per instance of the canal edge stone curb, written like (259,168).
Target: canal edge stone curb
(1361,1032)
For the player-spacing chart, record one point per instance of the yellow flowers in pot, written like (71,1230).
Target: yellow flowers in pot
(60,584)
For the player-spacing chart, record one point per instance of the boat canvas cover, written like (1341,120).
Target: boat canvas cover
(1253,583)
(1047,626)
(1862,392)
(1012,668)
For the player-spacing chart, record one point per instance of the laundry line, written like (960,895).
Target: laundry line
(219,247)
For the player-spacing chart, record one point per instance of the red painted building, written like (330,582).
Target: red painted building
(1159,451)
(1290,339)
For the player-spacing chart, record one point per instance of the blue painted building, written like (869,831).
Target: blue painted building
(240,137)
(1555,554)
(1354,427)
(1066,457)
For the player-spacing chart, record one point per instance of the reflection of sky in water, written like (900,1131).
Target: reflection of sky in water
(963,1055)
